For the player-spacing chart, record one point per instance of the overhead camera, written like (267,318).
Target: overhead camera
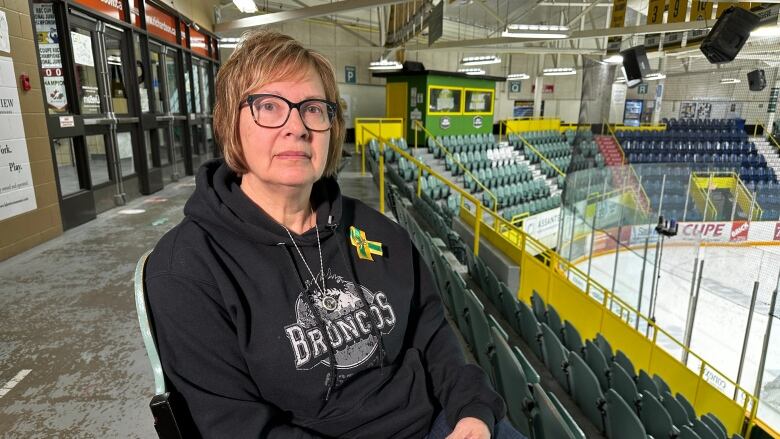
(666,228)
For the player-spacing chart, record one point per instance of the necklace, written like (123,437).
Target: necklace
(328,303)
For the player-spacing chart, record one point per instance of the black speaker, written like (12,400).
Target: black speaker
(729,34)
(635,65)
(413,66)
(756,80)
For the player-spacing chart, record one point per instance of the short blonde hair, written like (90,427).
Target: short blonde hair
(263,57)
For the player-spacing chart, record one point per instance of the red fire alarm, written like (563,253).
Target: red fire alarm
(25,80)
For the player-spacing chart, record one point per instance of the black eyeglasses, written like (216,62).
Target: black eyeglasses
(272,111)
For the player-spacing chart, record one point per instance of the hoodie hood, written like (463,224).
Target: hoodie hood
(219,203)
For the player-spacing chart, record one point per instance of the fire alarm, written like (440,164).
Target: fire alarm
(25,80)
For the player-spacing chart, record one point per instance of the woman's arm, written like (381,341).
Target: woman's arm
(463,389)
(200,354)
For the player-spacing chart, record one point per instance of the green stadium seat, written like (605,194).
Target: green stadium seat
(621,421)
(655,418)
(586,391)
(514,387)
(622,383)
(645,383)
(552,422)
(703,430)
(571,338)
(675,410)
(687,432)
(555,357)
(483,346)
(598,364)
(715,425)
(628,366)
(661,384)
(554,322)
(510,309)
(530,330)
(687,406)
(539,307)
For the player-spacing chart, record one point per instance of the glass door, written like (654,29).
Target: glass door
(199,114)
(172,92)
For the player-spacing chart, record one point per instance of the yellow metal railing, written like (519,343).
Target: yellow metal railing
(592,308)
(699,190)
(641,127)
(456,161)
(731,181)
(527,124)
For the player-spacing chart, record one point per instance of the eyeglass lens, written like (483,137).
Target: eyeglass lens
(272,112)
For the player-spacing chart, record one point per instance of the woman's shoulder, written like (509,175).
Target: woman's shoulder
(182,251)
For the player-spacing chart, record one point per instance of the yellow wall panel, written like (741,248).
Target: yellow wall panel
(632,343)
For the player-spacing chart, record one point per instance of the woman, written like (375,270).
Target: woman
(270,323)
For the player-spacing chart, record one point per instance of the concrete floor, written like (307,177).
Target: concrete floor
(72,363)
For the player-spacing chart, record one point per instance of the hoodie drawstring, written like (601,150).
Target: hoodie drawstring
(318,321)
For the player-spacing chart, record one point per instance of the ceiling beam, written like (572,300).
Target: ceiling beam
(301,14)
(591,33)
(582,13)
(341,26)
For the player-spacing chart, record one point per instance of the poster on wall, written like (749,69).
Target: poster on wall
(523,109)
(82,49)
(687,110)
(56,96)
(17,193)
(49,54)
(5,41)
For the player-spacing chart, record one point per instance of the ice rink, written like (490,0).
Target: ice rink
(729,276)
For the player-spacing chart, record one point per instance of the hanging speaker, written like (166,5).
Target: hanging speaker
(635,65)
(756,80)
(729,34)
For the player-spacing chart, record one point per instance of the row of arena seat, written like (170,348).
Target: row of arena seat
(732,135)
(473,161)
(689,146)
(462,143)
(746,160)
(674,124)
(535,193)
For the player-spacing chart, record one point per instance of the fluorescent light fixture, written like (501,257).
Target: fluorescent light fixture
(480,60)
(229,40)
(614,59)
(730,81)
(766,31)
(535,31)
(560,71)
(620,80)
(384,64)
(517,76)
(654,76)
(246,6)
(472,71)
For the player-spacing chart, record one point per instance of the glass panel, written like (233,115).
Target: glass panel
(156,67)
(172,68)
(116,74)
(149,155)
(178,146)
(196,138)
(161,144)
(124,143)
(143,92)
(196,76)
(51,62)
(188,91)
(207,90)
(444,100)
(209,138)
(86,76)
(66,166)
(479,101)
(98,162)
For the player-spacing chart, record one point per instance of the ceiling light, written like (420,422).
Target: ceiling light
(229,40)
(730,81)
(766,31)
(472,71)
(384,64)
(480,60)
(654,76)
(246,6)
(614,59)
(560,71)
(535,31)
(620,80)
(517,76)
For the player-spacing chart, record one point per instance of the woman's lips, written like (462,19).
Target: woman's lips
(292,155)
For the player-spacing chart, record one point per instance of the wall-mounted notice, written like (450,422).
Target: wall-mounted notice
(5,42)
(17,194)
(82,49)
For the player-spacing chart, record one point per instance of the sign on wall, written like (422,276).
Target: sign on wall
(350,74)
(514,86)
(17,193)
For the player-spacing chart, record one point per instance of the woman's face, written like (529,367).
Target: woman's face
(290,155)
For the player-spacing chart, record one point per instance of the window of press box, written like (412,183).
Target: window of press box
(86,75)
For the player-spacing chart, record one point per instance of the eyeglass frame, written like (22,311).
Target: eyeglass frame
(331,109)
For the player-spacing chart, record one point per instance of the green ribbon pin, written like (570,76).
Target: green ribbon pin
(365,248)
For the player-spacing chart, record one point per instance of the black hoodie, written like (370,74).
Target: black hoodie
(232,303)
